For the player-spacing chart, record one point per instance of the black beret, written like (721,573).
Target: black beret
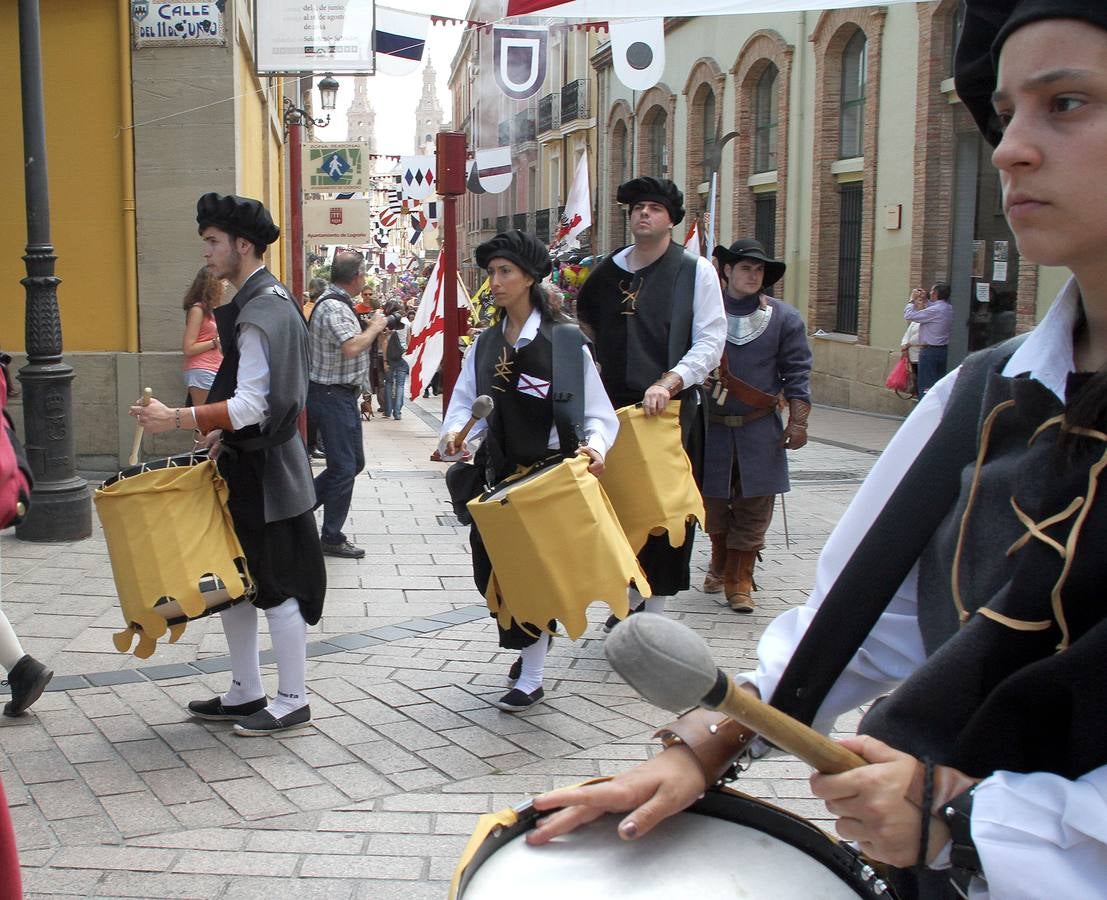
(238,216)
(659,190)
(525,250)
(988,23)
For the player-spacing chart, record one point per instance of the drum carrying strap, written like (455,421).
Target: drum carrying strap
(567,387)
(891,546)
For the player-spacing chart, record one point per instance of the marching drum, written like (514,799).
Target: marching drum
(726,845)
(648,477)
(173,549)
(555,547)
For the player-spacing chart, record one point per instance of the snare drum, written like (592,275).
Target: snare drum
(173,549)
(555,547)
(726,845)
(648,477)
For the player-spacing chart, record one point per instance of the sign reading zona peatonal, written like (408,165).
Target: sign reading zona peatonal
(333,167)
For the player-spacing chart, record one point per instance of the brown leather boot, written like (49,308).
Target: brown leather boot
(738,579)
(713,580)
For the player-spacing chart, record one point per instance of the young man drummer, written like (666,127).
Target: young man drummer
(987,766)
(250,425)
(656,315)
(514,355)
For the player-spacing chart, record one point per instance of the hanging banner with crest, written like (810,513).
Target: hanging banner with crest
(519,59)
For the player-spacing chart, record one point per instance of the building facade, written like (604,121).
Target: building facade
(130,151)
(547,133)
(848,153)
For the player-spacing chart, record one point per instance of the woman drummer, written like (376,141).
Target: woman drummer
(991,774)
(520,430)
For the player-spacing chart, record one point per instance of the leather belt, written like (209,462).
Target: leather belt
(739,421)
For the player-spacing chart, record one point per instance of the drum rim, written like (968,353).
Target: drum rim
(720,803)
(195,457)
(538,468)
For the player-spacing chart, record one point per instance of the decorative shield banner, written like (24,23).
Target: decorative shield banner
(638,52)
(519,59)
(417,176)
(399,40)
(493,169)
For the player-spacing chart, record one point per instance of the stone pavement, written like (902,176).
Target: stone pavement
(115,792)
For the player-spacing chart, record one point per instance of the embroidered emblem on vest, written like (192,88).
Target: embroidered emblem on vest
(630,291)
(504,370)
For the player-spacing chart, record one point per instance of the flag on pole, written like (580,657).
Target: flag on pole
(578,208)
(709,222)
(692,239)
(428,331)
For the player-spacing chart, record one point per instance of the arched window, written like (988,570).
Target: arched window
(708,126)
(765,115)
(852,116)
(657,142)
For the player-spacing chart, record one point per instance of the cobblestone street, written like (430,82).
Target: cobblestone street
(116,792)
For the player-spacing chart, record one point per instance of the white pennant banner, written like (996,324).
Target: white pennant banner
(638,52)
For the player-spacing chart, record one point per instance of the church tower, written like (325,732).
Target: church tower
(360,118)
(428,116)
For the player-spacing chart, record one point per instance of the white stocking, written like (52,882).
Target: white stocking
(240,625)
(534,663)
(288,631)
(656,604)
(11,651)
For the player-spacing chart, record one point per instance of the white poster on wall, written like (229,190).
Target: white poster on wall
(315,36)
(336,221)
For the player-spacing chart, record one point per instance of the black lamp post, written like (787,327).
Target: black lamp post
(60,505)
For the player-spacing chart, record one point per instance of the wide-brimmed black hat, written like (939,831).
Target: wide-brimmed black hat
(988,24)
(238,216)
(525,250)
(748,248)
(659,190)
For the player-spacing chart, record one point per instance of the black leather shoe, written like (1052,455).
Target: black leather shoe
(516,701)
(264,722)
(215,711)
(28,679)
(345,550)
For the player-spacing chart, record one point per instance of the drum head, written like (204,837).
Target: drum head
(687,855)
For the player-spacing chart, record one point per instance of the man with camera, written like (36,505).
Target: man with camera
(338,350)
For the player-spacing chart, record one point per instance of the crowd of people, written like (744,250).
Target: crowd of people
(969,552)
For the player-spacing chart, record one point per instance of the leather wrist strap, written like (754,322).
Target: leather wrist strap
(715,740)
(672,382)
(963,859)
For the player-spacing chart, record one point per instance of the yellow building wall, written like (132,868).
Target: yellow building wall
(82,85)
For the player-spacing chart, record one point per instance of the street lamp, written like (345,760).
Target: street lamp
(295,118)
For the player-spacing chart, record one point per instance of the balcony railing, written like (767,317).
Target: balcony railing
(548,113)
(574,100)
(503,223)
(542,225)
(524,127)
(519,220)
(504,133)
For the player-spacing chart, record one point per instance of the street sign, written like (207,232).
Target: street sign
(334,167)
(177,24)
(295,36)
(337,221)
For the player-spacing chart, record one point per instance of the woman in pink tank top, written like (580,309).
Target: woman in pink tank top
(202,354)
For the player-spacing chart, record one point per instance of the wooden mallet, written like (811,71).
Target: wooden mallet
(136,446)
(482,409)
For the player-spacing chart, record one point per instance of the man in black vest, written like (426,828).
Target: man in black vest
(250,423)
(656,314)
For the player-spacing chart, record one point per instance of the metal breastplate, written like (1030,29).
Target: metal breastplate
(743,329)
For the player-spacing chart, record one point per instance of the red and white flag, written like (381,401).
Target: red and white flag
(428,331)
(692,239)
(578,208)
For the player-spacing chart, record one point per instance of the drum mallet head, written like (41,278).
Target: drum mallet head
(671,666)
(481,409)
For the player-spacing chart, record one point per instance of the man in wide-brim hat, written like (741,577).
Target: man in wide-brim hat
(766,359)
(656,315)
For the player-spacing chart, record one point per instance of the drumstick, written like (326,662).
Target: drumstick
(147,393)
(671,666)
(482,408)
